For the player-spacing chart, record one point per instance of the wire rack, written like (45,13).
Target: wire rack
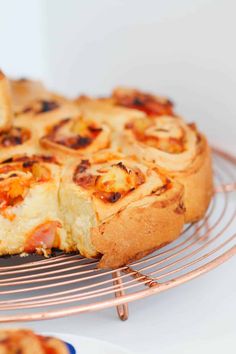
(34,288)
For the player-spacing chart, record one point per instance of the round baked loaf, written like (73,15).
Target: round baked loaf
(112,178)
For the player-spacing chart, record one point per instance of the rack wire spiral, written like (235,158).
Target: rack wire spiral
(34,288)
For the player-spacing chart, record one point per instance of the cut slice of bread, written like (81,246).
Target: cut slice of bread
(29,214)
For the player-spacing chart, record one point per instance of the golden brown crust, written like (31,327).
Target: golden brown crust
(198,183)
(139,230)
(6,112)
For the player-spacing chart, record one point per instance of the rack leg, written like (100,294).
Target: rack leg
(122,310)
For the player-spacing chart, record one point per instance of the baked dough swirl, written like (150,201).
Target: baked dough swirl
(119,208)
(41,114)
(76,137)
(182,153)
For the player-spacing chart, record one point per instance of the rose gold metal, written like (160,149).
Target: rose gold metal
(122,309)
(230,187)
(141,277)
(33,288)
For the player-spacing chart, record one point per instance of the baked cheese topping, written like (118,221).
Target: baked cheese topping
(14,136)
(17,176)
(78,134)
(109,182)
(149,104)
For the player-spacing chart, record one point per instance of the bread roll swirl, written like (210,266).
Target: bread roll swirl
(180,151)
(166,141)
(76,137)
(109,187)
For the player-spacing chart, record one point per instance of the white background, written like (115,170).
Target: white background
(182,48)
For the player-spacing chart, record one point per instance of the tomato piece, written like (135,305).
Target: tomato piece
(43,236)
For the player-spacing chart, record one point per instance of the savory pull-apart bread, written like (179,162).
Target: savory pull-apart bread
(180,150)
(29,215)
(6,110)
(119,209)
(76,136)
(24,341)
(113,178)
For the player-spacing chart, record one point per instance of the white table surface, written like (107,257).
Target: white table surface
(196,317)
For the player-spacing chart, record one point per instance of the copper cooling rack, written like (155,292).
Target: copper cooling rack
(33,288)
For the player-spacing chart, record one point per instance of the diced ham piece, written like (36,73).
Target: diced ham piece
(43,236)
